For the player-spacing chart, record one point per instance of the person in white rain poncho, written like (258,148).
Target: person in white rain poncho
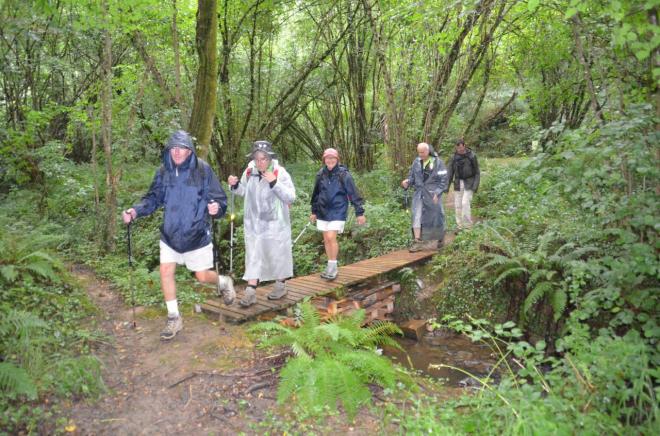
(268,191)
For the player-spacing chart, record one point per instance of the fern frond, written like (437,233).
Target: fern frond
(292,378)
(498,260)
(310,317)
(539,274)
(20,324)
(42,268)
(580,252)
(517,271)
(300,352)
(338,333)
(15,381)
(371,367)
(536,294)
(377,333)
(560,250)
(558,300)
(352,392)
(38,255)
(9,273)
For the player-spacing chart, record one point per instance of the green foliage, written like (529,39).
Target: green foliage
(333,362)
(594,388)
(40,358)
(15,381)
(22,260)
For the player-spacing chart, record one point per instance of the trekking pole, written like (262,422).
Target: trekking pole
(130,270)
(216,249)
(405,199)
(301,233)
(231,232)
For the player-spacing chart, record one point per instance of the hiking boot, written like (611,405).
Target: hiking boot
(173,326)
(440,245)
(430,245)
(416,246)
(226,289)
(249,297)
(330,272)
(279,291)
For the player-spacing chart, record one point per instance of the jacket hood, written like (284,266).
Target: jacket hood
(179,138)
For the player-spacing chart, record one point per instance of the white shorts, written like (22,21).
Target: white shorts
(200,259)
(324,226)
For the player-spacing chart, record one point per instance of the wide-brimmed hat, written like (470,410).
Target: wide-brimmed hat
(263,146)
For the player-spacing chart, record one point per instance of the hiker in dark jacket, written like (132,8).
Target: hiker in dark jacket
(464,172)
(189,191)
(333,190)
(428,176)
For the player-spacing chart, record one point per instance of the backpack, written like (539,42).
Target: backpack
(464,167)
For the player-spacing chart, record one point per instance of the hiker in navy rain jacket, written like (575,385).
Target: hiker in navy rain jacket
(333,190)
(189,191)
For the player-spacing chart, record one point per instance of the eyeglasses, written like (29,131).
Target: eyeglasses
(261,159)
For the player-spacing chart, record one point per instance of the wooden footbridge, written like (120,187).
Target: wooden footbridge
(299,288)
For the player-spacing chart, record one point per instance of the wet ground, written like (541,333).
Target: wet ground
(437,349)
(210,380)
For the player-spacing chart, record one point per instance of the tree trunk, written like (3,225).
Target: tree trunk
(95,170)
(203,111)
(392,131)
(106,138)
(480,99)
(474,60)
(150,63)
(591,89)
(177,62)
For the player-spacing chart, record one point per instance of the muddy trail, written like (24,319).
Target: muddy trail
(210,379)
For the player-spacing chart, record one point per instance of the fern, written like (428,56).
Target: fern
(9,273)
(15,381)
(333,362)
(558,300)
(21,256)
(515,272)
(537,293)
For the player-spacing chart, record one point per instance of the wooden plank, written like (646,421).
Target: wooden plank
(317,286)
(380,304)
(302,289)
(366,292)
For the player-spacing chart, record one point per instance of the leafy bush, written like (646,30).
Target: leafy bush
(333,362)
(594,388)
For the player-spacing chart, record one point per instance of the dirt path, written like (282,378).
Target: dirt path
(208,380)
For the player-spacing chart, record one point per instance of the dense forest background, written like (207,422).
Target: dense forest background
(559,99)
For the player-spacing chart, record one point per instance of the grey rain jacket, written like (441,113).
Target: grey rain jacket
(184,192)
(433,215)
(266,223)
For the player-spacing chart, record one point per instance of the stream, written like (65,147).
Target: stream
(444,348)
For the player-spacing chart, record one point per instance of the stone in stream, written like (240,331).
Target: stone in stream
(413,328)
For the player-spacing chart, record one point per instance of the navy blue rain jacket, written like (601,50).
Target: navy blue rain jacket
(332,192)
(184,192)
